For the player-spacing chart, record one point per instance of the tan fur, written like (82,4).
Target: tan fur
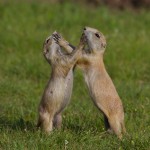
(100,85)
(59,88)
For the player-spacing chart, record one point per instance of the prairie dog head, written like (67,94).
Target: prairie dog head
(95,40)
(50,49)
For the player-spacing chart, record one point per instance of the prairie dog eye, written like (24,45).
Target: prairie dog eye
(97,35)
(47,40)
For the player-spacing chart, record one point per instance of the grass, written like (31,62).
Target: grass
(24,74)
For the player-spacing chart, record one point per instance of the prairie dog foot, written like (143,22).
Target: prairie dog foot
(110,131)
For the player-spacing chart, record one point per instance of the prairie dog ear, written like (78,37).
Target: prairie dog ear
(55,32)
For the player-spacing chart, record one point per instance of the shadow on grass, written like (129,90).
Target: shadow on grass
(80,129)
(19,124)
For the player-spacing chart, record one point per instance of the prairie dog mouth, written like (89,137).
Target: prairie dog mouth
(86,45)
(84,37)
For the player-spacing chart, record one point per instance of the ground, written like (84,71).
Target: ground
(24,73)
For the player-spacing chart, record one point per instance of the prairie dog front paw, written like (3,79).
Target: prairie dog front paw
(60,40)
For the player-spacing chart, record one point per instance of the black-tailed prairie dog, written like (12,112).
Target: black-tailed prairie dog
(58,91)
(100,85)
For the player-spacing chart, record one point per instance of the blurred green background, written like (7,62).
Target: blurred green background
(24,25)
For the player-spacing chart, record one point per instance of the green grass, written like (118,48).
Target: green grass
(24,74)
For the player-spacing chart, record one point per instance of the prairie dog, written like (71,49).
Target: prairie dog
(100,85)
(58,91)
